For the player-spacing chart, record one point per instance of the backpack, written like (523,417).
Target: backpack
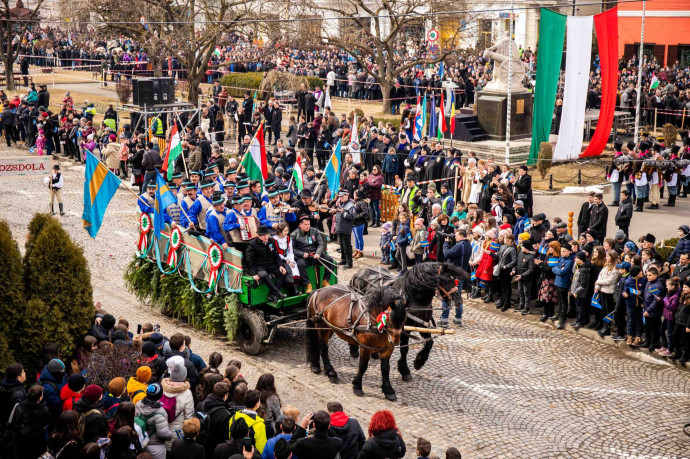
(142,421)
(169,404)
(82,419)
(205,421)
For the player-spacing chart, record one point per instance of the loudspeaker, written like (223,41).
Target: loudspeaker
(167,90)
(143,92)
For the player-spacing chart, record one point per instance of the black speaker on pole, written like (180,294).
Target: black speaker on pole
(143,92)
(167,90)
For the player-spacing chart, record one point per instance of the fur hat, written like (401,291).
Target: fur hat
(176,368)
(491,234)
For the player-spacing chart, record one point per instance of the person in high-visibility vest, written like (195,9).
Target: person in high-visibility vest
(157,127)
(447,203)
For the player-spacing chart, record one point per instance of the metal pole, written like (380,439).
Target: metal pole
(639,76)
(509,109)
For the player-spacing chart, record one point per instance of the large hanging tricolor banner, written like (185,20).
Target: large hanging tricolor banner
(552,30)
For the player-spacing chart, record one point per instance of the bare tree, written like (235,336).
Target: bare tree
(13,26)
(373,33)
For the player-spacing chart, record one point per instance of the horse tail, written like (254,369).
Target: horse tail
(312,334)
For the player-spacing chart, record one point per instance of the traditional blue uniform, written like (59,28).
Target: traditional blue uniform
(148,208)
(199,208)
(214,222)
(231,221)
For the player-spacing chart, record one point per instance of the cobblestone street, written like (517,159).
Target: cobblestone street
(502,386)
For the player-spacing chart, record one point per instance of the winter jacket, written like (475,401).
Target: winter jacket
(620,288)
(682,272)
(598,220)
(219,414)
(112,155)
(11,393)
(578,286)
(632,300)
(361,212)
(321,445)
(51,391)
(195,159)
(651,305)
(156,421)
(416,247)
(385,444)
(607,280)
(563,271)
(91,417)
(136,390)
(255,424)
(390,163)
(110,404)
(187,449)
(344,220)
(375,184)
(683,312)
(624,213)
(29,425)
(184,405)
(682,247)
(68,397)
(671,304)
(403,236)
(507,257)
(525,265)
(350,432)
(459,254)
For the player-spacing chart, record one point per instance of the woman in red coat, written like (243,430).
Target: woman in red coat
(375,183)
(485,269)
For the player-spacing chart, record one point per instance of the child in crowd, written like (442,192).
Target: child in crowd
(459,211)
(419,241)
(402,240)
(670,307)
(654,293)
(40,142)
(564,272)
(385,243)
(633,292)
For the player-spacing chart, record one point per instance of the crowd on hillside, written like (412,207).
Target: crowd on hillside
(172,403)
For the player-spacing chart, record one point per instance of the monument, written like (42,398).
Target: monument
(492,101)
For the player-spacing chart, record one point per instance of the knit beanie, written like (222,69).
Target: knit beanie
(148,349)
(76,382)
(92,393)
(154,392)
(143,374)
(116,387)
(55,366)
(108,321)
(176,368)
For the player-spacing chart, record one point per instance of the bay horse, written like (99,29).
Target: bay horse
(339,310)
(418,285)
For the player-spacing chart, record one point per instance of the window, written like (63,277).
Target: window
(684,55)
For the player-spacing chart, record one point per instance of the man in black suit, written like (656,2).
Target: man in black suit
(276,121)
(585,213)
(309,105)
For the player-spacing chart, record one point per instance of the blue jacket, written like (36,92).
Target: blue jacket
(213,228)
(563,271)
(271,443)
(404,236)
(390,163)
(520,226)
(682,247)
(633,300)
(651,305)
(51,391)
(459,254)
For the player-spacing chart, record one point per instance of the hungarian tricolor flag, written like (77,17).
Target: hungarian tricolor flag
(655,82)
(173,152)
(297,173)
(442,124)
(254,161)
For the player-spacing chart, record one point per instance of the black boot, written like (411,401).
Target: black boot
(638,207)
(525,311)
(489,298)
(476,293)
(605,330)
(62,211)
(52,210)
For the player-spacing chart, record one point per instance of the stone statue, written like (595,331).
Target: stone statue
(499,53)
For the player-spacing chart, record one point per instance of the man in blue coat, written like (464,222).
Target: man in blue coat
(459,255)
(53,379)
(564,273)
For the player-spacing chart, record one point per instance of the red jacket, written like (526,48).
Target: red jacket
(69,398)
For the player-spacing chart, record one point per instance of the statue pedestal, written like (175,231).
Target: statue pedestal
(491,113)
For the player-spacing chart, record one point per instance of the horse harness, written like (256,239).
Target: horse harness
(352,325)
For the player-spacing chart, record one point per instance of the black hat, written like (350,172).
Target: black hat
(177,175)
(649,237)
(617,145)
(644,145)
(269,182)
(190,186)
(229,184)
(283,189)
(218,198)
(306,193)
(195,172)
(635,271)
(657,147)
(231,171)
(410,177)
(242,184)
(148,349)
(273,192)
(108,321)
(282,449)
(675,149)
(56,167)
(343,193)
(262,231)
(581,256)
(527,244)
(631,145)
(76,382)
(208,184)
(151,185)
(539,217)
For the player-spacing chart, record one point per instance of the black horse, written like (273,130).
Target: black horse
(418,285)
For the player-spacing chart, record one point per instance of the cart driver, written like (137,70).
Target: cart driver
(309,249)
(263,263)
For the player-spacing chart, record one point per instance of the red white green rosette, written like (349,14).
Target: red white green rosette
(175,243)
(215,260)
(144,228)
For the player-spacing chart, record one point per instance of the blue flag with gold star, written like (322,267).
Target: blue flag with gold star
(164,199)
(100,184)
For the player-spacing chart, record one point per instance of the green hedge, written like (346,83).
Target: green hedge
(238,82)
(669,245)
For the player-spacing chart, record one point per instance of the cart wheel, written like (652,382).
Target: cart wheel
(252,331)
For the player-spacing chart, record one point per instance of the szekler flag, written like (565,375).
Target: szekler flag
(254,161)
(99,187)
(164,198)
(433,120)
(354,143)
(333,170)
(172,153)
(297,173)
(420,119)
(452,113)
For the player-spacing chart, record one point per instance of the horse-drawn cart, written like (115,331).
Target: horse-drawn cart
(212,270)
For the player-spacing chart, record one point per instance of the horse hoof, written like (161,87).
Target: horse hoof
(391,397)
(358,392)
(407,377)
(316,370)
(333,379)
(418,364)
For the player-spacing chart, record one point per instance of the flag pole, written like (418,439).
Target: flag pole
(510,84)
(639,76)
